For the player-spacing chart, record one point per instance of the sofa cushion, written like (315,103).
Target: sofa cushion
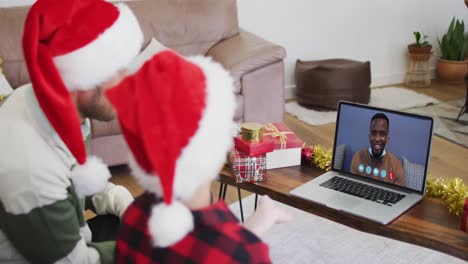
(101,128)
(245,53)
(11,28)
(263,91)
(238,114)
(189,27)
(112,149)
(147,53)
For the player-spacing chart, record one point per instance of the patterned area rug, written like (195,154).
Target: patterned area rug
(389,97)
(312,239)
(445,124)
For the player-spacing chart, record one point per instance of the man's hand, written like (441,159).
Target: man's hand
(114,200)
(266,215)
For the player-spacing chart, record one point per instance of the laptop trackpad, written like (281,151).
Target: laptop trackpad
(340,201)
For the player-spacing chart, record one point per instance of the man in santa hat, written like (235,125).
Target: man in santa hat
(74,50)
(176,116)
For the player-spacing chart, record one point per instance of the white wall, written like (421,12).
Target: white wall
(10,3)
(374,30)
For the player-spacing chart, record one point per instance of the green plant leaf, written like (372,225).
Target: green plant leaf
(417,35)
(452,45)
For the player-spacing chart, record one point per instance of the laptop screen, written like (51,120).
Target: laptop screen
(383,145)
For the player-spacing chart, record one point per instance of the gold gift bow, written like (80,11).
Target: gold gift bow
(274,132)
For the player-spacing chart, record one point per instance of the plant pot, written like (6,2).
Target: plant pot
(452,72)
(413,49)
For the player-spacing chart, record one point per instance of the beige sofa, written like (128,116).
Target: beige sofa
(207,27)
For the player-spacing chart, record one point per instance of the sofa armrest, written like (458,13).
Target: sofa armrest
(244,53)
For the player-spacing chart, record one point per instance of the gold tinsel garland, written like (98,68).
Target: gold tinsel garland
(453,191)
(321,157)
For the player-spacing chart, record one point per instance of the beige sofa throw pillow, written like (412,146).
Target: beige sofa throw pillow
(153,47)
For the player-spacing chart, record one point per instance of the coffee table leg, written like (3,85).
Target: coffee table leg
(240,204)
(224,191)
(255,205)
(220,193)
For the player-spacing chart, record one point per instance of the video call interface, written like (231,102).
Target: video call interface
(386,146)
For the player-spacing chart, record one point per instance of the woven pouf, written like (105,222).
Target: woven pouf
(322,84)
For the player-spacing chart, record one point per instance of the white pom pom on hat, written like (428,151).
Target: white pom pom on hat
(168,224)
(91,177)
(76,45)
(176,116)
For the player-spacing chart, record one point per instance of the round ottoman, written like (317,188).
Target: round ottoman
(322,84)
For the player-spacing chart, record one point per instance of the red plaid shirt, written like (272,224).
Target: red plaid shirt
(217,238)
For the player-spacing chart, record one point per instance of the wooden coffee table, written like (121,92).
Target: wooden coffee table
(427,224)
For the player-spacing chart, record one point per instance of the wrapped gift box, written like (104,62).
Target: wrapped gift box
(247,168)
(288,146)
(464,222)
(254,149)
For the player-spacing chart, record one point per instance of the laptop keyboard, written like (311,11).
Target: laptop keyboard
(362,190)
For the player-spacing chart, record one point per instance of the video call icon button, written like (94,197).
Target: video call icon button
(361,167)
(376,172)
(383,173)
(368,169)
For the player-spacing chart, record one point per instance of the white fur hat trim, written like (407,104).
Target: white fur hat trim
(100,60)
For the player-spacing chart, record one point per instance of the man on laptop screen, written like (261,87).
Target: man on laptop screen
(372,176)
(375,161)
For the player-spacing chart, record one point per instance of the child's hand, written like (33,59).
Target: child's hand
(268,208)
(266,215)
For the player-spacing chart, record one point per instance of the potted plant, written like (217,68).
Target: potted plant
(452,65)
(421,46)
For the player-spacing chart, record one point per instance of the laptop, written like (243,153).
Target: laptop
(380,162)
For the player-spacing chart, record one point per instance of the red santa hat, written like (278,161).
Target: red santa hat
(77,45)
(176,115)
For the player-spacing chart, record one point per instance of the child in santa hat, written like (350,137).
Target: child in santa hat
(73,50)
(176,116)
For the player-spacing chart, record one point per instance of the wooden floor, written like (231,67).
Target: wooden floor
(447,159)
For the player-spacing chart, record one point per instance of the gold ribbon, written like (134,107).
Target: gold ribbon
(274,132)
